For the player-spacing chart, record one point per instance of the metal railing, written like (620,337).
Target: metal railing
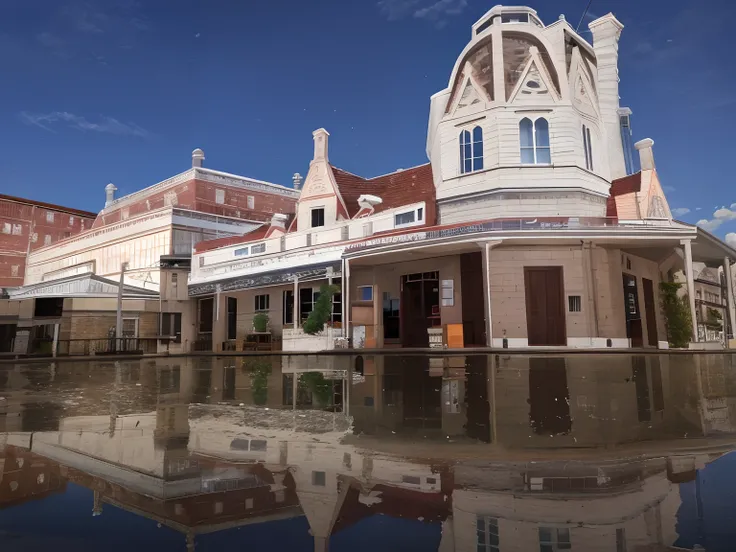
(107,346)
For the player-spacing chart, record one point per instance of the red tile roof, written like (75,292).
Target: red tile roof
(395,189)
(257,234)
(622,186)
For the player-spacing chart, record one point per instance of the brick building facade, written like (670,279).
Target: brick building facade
(26,226)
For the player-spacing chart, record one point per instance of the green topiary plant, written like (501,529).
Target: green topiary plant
(259,370)
(260,322)
(322,311)
(677,314)
(320,387)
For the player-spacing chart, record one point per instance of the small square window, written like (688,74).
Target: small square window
(574,303)
(17,230)
(318,217)
(319,478)
(71,220)
(49,216)
(251,202)
(262,303)
(365,293)
(258,248)
(219,197)
(7,229)
(14,271)
(47,239)
(242,251)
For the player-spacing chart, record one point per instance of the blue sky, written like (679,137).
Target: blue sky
(98,91)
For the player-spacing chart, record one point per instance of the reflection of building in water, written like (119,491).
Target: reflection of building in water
(522,401)
(25,476)
(601,506)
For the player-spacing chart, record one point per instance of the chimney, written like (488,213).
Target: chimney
(297,180)
(321,136)
(278,220)
(110,190)
(606,33)
(197,158)
(646,155)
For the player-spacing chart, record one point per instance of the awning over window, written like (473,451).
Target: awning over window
(83,285)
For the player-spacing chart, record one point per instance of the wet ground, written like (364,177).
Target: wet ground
(481,453)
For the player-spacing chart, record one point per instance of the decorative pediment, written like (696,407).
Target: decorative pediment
(535,85)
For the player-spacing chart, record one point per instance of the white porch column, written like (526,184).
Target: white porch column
(687,247)
(346,299)
(486,254)
(729,295)
(296,302)
(55,343)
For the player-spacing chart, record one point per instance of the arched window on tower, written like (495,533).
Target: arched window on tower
(471,150)
(534,141)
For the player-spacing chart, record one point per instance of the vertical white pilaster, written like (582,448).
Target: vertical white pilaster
(729,296)
(687,246)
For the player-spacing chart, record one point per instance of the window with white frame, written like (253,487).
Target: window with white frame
(258,248)
(404,218)
(242,251)
(220,196)
(251,202)
(487,534)
(47,239)
(471,150)
(409,217)
(553,539)
(7,228)
(14,271)
(71,220)
(49,216)
(130,327)
(365,293)
(534,140)
(17,230)
(262,302)
(588,147)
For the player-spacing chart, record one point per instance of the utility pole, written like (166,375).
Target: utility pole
(119,321)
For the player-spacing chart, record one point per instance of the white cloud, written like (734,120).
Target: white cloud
(731,239)
(698,208)
(107,125)
(668,189)
(680,211)
(720,216)
(429,10)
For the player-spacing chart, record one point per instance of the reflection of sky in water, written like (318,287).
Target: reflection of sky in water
(707,515)
(64,522)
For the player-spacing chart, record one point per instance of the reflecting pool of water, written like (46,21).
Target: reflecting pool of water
(487,453)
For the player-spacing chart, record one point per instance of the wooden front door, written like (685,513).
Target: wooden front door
(473,299)
(545,308)
(650,308)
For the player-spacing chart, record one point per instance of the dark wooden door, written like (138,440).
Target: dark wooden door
(545,309)
(634,330)
(413,319)
(650,311)
(473,299)
(549,396)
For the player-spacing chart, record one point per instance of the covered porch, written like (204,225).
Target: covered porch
(229,312)
(579,287)
(78,315)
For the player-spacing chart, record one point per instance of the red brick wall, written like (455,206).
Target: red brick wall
(236,202)
(26,225)
(198,195)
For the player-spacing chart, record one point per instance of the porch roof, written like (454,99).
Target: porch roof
(268,279)
(82,285)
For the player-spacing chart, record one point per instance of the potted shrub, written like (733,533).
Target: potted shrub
(677,314)
(322,311)
(260,322)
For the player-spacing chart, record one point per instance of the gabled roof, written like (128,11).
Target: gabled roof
(622,186)
(399,188)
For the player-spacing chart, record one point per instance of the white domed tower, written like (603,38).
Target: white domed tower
(529,122)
